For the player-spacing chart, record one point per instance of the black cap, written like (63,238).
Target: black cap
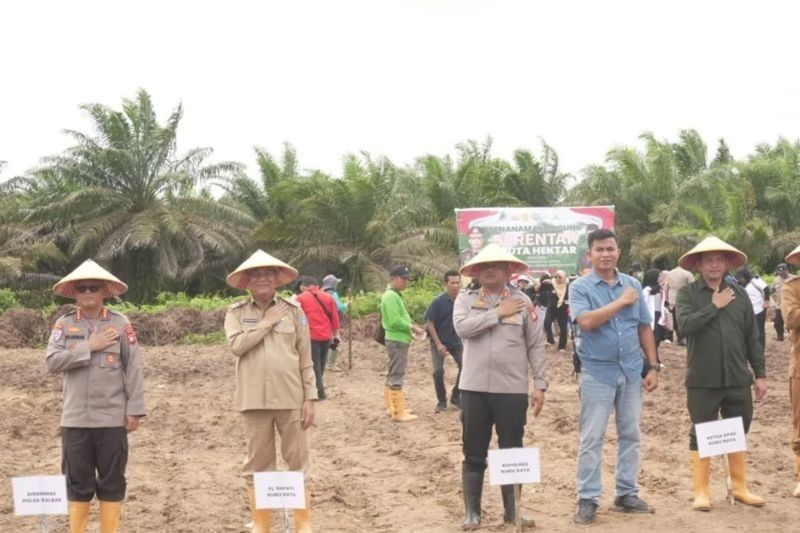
(400,271)
(782,267)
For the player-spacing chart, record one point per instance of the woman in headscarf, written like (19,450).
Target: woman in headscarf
(558,310)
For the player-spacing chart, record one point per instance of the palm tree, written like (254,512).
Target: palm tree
(124,197)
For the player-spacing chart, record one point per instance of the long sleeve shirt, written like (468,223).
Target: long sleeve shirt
(274,369)
(721,342)
(394,317)
(101,387)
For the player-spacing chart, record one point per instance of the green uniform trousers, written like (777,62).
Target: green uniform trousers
(705,405)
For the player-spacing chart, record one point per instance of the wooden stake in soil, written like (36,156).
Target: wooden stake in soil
(349,330)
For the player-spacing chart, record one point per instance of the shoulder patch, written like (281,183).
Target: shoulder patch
(290,301)
(237,304)
(58,331)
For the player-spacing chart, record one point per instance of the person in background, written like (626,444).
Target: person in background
(525,284)
(444,339)
(558,311)
(95,349)
(399,330)
(329,285)
(654,298)
(636,271)
(544,296)
(677,278)
(758,292)
(782,276)
(323,322)
(275,386)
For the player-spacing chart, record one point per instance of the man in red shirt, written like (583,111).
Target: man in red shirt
(323,322)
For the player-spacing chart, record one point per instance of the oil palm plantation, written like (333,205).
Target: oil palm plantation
(125,197)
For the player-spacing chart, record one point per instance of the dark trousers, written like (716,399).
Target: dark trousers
(93,460)
(761,320)
(437,361)
(558,315)
(319,355)
(778,323)
(479,412)
(705,405)
(680,338)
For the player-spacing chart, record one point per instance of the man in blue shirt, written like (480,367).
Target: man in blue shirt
(444,339)
(614,322)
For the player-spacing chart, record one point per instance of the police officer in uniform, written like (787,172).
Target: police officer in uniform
(96,350)
(502,337)
(275,382)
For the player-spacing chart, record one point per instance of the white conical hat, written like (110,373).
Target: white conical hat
(736,258)
(493,253)
(238,278)
(794,257)
(89,270)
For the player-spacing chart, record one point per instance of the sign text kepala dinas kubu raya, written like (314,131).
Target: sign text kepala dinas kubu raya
(546,238)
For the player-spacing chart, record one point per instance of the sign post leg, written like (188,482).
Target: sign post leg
(728,482)
(349,330)
(286,520)
(517,502)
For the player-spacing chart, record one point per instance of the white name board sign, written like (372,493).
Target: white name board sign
(279,490)
(511,466)
(720,437)
(39,495)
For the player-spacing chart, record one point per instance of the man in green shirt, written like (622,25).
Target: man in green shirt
(398,326)
(718,320)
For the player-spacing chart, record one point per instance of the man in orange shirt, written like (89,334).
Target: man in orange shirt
(323,322)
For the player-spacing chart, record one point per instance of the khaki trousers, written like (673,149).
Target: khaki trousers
(259,429)
(794,397)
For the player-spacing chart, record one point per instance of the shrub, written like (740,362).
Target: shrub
(8,299)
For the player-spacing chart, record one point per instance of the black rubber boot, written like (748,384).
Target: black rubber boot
(438,384)
(509,513)
(473,488)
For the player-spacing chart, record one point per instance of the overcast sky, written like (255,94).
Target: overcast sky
(403,78)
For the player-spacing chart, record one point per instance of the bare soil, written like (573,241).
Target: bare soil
(370,474)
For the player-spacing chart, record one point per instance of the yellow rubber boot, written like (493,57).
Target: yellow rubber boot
(738,467)
(701,471)
(109,516)
(262,518)
(796,492)
(302,517)
(78,516)
(399,413)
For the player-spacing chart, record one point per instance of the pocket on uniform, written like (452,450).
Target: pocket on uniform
(285,325)
(110,358)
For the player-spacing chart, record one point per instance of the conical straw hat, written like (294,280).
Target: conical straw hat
(492,253)
(690,259)
(238,278)
(794,257)
(86,271)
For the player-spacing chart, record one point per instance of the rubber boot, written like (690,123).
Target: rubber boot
(302,517)
(509,509)
(262,518)
(473,489)
(399,413)
(738,467)
(387,400)
(796,492)
(701,471)
(109,516)
(78,516)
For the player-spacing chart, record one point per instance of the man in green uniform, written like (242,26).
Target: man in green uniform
(723,340)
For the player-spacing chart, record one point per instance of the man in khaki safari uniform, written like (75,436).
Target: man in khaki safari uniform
(275,383)
(96,350)
(790,308)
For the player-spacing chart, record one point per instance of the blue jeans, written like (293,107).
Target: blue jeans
(597,400)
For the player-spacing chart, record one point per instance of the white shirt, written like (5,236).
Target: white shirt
(755,290)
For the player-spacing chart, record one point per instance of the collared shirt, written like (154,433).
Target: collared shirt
(274,369)
(498,352)
(721,342)
(440,312)
(321,321)
(791,317)
(101,388)
(613,347)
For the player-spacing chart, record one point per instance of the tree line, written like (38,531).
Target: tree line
(164,220)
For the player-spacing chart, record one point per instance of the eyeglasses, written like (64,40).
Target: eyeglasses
(87,288)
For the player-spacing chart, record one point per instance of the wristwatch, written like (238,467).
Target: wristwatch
(656,367)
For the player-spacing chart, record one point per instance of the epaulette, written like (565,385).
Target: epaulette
(237,304)
(290,301)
